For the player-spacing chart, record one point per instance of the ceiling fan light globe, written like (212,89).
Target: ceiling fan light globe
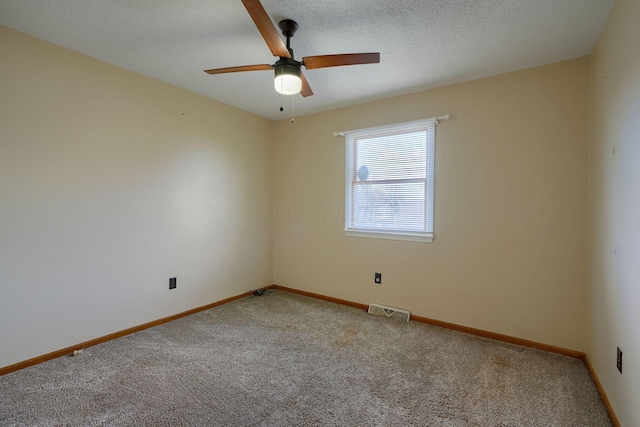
(288,84)
(288,79)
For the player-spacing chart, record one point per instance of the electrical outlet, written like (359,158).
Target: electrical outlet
(619,360)
(173,283)
(378,278)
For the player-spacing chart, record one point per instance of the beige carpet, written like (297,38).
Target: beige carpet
(287,360)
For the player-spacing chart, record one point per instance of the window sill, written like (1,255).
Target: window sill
(410,237)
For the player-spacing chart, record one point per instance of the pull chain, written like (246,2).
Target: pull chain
(293,109)
(281,96)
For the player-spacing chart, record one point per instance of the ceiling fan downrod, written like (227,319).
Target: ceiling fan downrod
(289,28)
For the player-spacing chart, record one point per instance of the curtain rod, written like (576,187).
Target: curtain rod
(436,119)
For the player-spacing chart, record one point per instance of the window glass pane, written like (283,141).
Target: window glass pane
(389,206)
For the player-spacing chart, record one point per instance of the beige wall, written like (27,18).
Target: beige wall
(614,210)
(510,207)
(110,183)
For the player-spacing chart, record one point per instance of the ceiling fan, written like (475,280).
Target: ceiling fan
(289,79)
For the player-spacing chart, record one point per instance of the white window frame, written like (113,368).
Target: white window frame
(424,235)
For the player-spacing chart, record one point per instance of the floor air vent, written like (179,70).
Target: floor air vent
(394,313)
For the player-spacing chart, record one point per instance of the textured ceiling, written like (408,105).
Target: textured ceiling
(422,43)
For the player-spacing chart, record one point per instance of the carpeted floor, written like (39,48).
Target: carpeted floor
(287,360)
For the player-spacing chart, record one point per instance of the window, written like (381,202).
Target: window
(389,181)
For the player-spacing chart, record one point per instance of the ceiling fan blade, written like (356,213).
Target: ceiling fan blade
(323,61)
(258,67)
(267,29)
(306,89)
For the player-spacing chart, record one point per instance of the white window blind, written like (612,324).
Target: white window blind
(390,181)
